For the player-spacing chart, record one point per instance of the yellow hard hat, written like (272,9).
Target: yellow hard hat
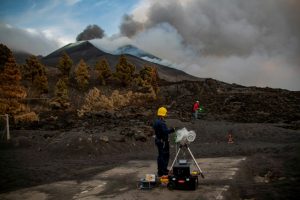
(162,111)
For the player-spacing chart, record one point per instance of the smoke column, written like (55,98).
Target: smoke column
(246,42)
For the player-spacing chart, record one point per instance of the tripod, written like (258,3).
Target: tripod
(186,146)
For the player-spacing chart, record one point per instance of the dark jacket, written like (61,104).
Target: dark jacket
(161,130)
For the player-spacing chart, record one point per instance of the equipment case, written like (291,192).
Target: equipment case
(181,179)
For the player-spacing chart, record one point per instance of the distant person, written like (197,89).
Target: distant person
(162,141)
(196,109)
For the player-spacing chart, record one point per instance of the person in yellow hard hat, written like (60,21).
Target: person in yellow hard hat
(162,141)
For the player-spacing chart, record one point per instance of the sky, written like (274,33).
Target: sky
(253,43)
(62,20)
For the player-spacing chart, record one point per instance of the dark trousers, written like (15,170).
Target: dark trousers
(163,157)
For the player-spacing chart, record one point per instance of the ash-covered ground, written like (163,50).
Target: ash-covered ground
(62,147)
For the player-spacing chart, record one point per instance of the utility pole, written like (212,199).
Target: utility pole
(7,127)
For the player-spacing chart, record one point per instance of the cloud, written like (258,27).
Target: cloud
(90,32)
(253,70)
(56,18)
(110,44)
(247,42)
(72,2)
(29,40)
(163,41)
(129,27)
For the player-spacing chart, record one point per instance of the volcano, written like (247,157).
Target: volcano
(87,51)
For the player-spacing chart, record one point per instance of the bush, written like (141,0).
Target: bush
(27,117)
(95,101)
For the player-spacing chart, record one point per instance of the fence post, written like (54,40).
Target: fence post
(7,127)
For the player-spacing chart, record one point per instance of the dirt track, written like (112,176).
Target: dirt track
(119,183)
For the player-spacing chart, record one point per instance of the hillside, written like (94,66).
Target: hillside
(21,56)
(91,54)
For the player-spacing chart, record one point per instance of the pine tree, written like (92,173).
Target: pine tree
(41,83)
(35,72)
(82,75)
(103,71)
(154,79)
(145,74)
(61,90)
(124,71)
(61,95)
(5,52)
(149,78)
(65,65)
(11,90)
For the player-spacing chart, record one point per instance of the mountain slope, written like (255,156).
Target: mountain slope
(134,51)
(80,50)
(21,56)
(91,54)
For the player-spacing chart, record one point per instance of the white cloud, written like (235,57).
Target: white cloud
(53,33)
(27,40)
(253,70)
(72,2)
(140,11)
(48,18)
(163,41)
(110,44)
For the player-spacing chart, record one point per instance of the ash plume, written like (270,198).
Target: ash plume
(129,27)
(247,42)
(90,32)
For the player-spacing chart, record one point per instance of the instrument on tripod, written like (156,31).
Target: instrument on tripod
(180,176)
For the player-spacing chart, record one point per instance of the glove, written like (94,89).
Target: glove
(172,130)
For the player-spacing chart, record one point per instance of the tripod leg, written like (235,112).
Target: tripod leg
(196,162)
(175,159)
